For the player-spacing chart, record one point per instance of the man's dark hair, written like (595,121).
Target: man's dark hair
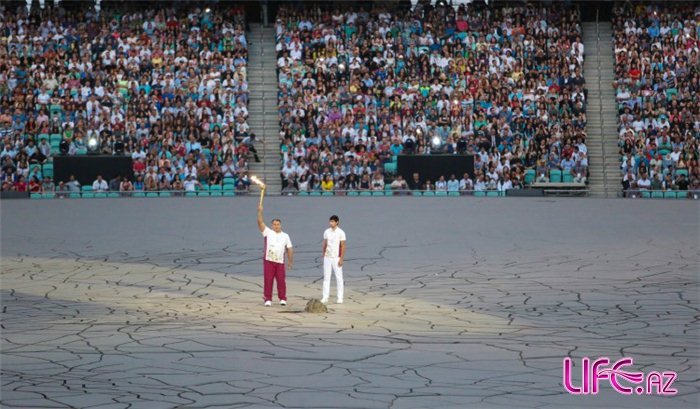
(335,218)
(276,220)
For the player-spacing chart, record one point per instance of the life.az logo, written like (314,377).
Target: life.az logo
(592,372)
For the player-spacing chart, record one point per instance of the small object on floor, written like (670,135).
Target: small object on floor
(314,305)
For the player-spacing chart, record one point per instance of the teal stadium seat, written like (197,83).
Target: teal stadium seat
(47,170)
(530,176)
(555,175)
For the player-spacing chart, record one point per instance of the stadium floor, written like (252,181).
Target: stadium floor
(451,303)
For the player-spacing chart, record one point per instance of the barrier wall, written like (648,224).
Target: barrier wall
(433,166)
(86,168)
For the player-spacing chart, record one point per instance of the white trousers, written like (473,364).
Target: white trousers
(331,264)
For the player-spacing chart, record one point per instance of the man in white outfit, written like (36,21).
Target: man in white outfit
(333,255)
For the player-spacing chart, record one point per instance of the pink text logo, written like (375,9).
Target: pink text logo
(592,372)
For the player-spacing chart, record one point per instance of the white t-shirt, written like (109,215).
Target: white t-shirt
(275,245)
(644,183)
(190,185)
(333,239)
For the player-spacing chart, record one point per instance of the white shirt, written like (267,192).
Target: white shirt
(644,183)
(333,239)
(190,185)
(275,245)
(100,185)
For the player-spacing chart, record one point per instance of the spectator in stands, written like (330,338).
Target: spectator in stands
(114,184)
(62,190)
(656,81)
(34,185)
(644,183)
(123,83)
(415,182)
(21,185)
(466,184)
(73,185)
(394,86)
(378,182)
(399,185)
(327,183)
(453,184)
(190,184)
(47,185)
(125,187)
(100,185)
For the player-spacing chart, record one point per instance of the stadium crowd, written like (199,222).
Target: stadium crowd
(356,88)
(657,71)
(165,85)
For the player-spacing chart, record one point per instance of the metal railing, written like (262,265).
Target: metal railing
(339,192)
(659,194)
(630,194)
(627,194)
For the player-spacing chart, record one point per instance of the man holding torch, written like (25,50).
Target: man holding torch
(277,243)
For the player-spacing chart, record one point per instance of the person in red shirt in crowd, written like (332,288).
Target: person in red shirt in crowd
(34,185)
(21,185)
(139,167)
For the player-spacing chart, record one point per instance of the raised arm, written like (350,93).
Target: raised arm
(261,222)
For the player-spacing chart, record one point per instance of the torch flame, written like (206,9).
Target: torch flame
(257,181)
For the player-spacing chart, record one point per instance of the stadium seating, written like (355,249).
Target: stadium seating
(656,73)
(412,77)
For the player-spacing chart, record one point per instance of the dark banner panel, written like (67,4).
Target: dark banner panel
(14,195)
(86,168)
(433,166)
(533,192)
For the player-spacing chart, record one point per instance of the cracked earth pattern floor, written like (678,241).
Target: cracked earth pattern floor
(450,303)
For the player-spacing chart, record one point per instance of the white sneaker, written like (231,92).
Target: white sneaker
(268,303)
(339,302)
(283,302)
(324,300)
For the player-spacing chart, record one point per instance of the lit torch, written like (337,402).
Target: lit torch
(260,183)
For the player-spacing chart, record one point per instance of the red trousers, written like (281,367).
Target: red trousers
(274,271)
